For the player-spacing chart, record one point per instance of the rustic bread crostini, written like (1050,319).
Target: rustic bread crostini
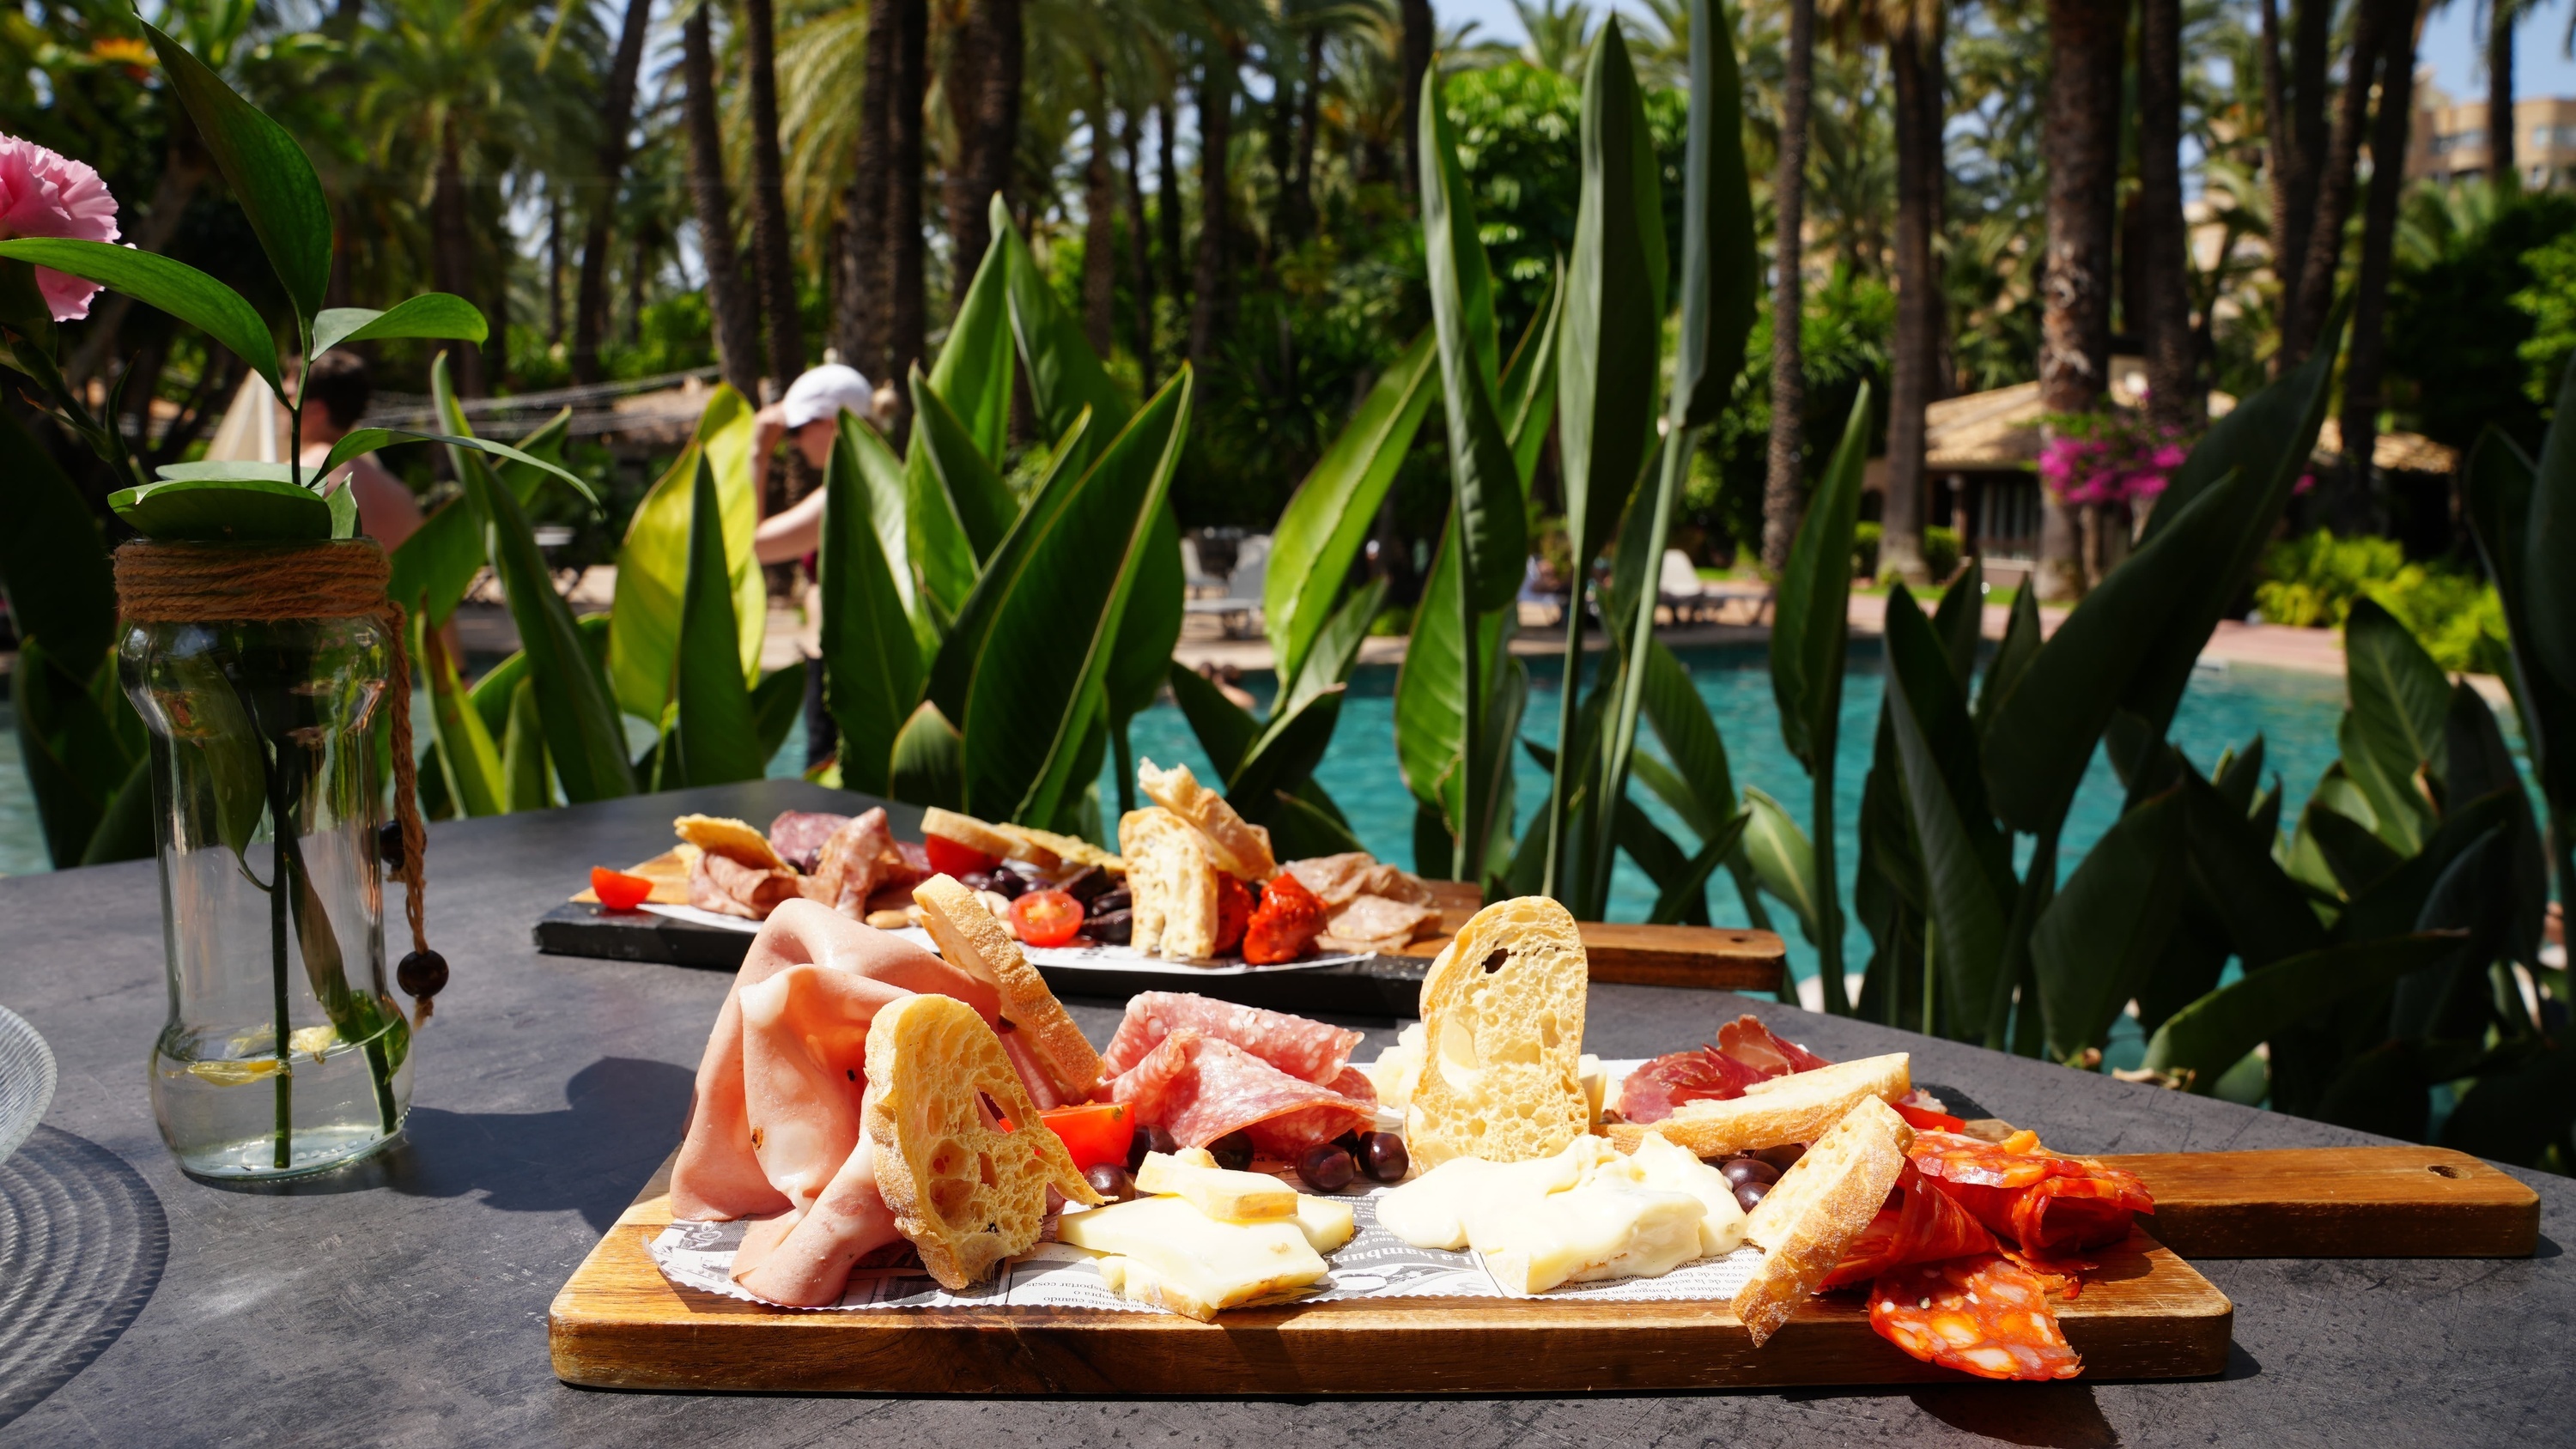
(1502,1016)
(1810,1217)
(971,940)
(1172,881)
(1799,1107)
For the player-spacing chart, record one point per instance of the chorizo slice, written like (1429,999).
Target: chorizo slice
(1984,1315)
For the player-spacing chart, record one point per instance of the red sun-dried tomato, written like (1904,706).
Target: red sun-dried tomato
(1233,911)
(1285,926)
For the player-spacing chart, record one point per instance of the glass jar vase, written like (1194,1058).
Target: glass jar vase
(283,1053)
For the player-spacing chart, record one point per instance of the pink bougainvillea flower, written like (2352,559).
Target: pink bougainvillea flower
(44,193)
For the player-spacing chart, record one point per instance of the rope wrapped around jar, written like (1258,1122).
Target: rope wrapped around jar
(186,583)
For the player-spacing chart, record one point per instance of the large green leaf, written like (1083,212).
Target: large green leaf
(157,281)
(1484,477)
(468,761)
(1065,375)
(2212,1034)
(363,441)
(524,782)
(75,757)
(2400,697)
(872,668)
(433,568)
(1225,730)
(713,737)
(1151,626)
(2395,903)
(887,492)
(776,701)
(53,566)
(1430,683)
(224,510)
(653,560)
(929,767)
(1320,533)
(2262,911)
(1336,648)
(963,639)
(944,445)
(2516,1114)
(1721,265)
(2497,495)
(584,736)
(1528,391)
(544,447)
(267,172)
(973,375)
(2549,541)
(1966,867)
(1608,351)
(1285,755)
(431,315)
(2042,732)
(2354,855)
(1810,616)
(1782,859)
(2106,928)
(1055,593)
(2480,765)
(2398,809)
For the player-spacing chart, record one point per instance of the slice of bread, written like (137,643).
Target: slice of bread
(1799,1107)
(1046,849)
(733,839)
(964,1189)
(1237,847)
(1810,1217)
(967,831)
(971,940)
(1502,1015)
(1173,883)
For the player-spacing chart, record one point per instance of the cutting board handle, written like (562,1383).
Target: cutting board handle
(2336,1202)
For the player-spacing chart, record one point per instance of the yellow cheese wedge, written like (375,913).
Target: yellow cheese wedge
(1596,1083)
(1165,1253)
(1327,1222)
(1436,1210)
(1668,1167)
(1242,1197)
(1592,1233)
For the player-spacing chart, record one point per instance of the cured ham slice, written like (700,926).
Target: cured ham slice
(1199,1088)
(1984,1315)
(798,836)
(726,886)
(1745,1052)
(1375,923)
(1338,879)
(851,863)
(1919,1226)
(1313,1051)
(2052,1206)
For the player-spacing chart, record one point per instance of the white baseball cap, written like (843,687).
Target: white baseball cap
(824,392)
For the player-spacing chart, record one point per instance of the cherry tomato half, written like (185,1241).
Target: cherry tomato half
(617,890)
(947,857)
(1046,918)
(1095,1132)
(1924,1119)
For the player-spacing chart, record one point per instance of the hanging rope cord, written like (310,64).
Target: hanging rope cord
(183,583)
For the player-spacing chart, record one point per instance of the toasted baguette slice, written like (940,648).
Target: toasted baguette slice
(1502,1016)
(1810,1217)
(966,1192)
(1172,882)
(972,940)
(1796,1108)
(1236,847)
(967,831)
(732,839)
(1047,849)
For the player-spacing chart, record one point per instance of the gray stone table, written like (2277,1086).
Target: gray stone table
(404,1301)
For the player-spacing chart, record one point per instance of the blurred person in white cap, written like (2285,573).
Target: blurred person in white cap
(811,413)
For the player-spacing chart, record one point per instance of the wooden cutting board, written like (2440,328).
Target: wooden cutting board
(2337,1202)
(619,1324)
(1710,958)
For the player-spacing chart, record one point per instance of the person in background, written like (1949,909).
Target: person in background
(810,413)
(335,393)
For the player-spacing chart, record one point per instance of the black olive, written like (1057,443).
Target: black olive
(1109,901)
(1784,1156)
(1351,1142)
(1114,927)
(1749,1195)
(1085,883)
(1384,1158)
(1010,885)
(1326,1168)
(1741,1170)
(1233,1150)
(1148,1139)
(1110,1181)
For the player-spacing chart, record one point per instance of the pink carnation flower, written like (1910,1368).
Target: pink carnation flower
(43,193)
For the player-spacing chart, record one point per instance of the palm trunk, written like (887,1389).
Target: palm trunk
(616,118)
(1784,488)
(771,261)
(860,311)
(1167,205)
(1279,133)
(639,269)
(2501,18)
(905,304)
(1912,58)
(1099,227)
(983,88)
(2311,49)
(2363,366)
(1216,139)
(2281,157)
(554,268)
(1419,37)
(452,248)
(737,319)
(1309,106)
(2163,266)
(2083,150)
(2303,321)
(1140,253)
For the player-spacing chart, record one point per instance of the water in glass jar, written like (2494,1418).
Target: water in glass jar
(216,1096)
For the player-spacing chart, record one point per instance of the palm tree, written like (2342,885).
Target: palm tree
(1209,290)
(2364,364)
(2083,148)
(2502,17)
(1418,36)
(906,319)
(616,119)
(990,55)
(2165,316)
(737,320)
(1913,32)
(1560,34)
(772,260)
(1784,490)
(2303,316)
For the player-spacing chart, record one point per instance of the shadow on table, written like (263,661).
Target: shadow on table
(2058,1416)
(622,1117)
(82,1244)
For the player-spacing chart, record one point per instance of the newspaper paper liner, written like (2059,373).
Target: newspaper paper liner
(1375,1263)
(1095,958)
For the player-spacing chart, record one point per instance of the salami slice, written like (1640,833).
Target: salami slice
(2051,1205)
(1310,1050)
(1199,1088)
(1919,1226)
(1984,1315)
(798,836)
